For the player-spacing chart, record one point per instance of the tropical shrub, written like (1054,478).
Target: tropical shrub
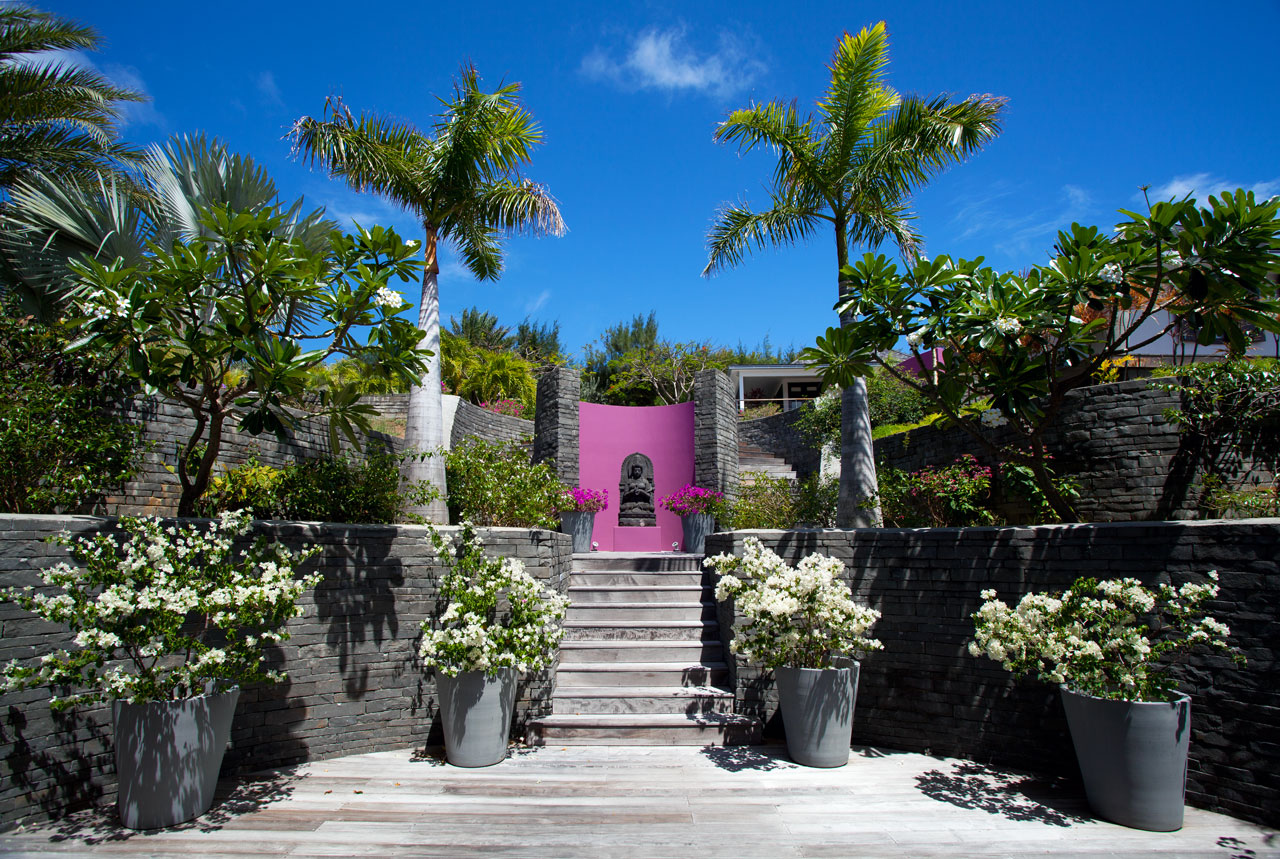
(508,407)
(163,612)
(951,496)
(765,410)
(802,617)
(816,500)
(61,445)
(1110,639)
(323,489)
(495,484)
(493,613)
(690,499)
(767,502)
(1239,502)
(1235,396)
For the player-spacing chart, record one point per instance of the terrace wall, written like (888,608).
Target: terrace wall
(354,685)
(924,693)
(778,435)
(472,421)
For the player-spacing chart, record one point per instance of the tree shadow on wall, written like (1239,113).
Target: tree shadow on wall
(356,599)
(1013,796)
(64,777)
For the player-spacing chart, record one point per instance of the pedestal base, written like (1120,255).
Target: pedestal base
(638,540)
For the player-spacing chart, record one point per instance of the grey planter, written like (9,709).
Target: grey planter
(476,711)
(168,754)
(696,527)
(1133,757)
(579,525)
(817,713)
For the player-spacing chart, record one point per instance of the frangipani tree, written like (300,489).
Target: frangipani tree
(1012,345)
(463,182)
(248,295)
(852,169)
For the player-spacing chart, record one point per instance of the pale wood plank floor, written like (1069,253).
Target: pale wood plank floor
(647,802)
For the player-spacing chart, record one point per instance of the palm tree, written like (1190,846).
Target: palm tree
(48,222)
(463,183)
(481,329)
(54,117)
(854,167)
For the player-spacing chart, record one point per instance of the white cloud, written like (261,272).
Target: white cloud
(269,91)
(1022,234)
(128,77)
(663,60)
(538,303)
(1200,186)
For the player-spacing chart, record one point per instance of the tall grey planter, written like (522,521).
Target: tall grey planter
(476,711)
(168,754)
(1133,757)
(817,712)
(696,527)
(579,525)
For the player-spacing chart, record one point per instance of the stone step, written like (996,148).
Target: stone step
(612,578)
(632,674)
(687,700)
(613,612)
(613,594)
(642,630)
(639,562)
(615,650)
(646,729)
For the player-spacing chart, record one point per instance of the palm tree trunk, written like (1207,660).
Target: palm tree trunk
(858,504)
(424,427)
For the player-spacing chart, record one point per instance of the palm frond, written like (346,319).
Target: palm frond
(738,230)
(856,96)
(480,246)
(520,208)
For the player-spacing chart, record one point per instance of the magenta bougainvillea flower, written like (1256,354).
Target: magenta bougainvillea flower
(690,499)
(579,500)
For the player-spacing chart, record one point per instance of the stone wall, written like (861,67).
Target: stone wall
(778,435)
(353,685)
(1114,440)
(471,421)
(715,433)
(390,406)
(155,490)
(924,693)
(556,424)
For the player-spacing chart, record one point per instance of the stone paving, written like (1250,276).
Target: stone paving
(585,801)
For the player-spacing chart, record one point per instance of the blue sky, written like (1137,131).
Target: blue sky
(1103,98)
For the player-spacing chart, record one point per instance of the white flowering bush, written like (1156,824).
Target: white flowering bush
(495,615)
(802,616)
(1111,639)
(163,612)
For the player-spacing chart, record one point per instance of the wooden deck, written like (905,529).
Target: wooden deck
(603,802)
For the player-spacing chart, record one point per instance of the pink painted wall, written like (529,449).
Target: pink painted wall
(923,363)
(608,434)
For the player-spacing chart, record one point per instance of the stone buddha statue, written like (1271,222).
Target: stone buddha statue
(635,489)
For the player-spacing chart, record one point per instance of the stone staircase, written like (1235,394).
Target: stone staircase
(641,663)
(753,460)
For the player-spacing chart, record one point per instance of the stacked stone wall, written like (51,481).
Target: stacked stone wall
(556,425)
(354,684)
(167,426)
(471,421)
(925,693)
(715,433)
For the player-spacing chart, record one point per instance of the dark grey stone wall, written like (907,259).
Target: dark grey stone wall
(393,406)
(155,490)
(715,433)
(471,421)
(925,693)
(556,424)
(354,684)
(1114,440)
(778,435)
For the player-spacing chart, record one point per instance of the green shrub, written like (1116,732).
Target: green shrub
(816,501)
(1239,502)
(325,489)
(890,402)
(495,484)
(61,448)
(952,496)
(769,502)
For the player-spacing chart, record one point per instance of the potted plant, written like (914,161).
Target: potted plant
(801,622)
(168,624)
(697,508)
(578,508)
(495,620)
(1108,645)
